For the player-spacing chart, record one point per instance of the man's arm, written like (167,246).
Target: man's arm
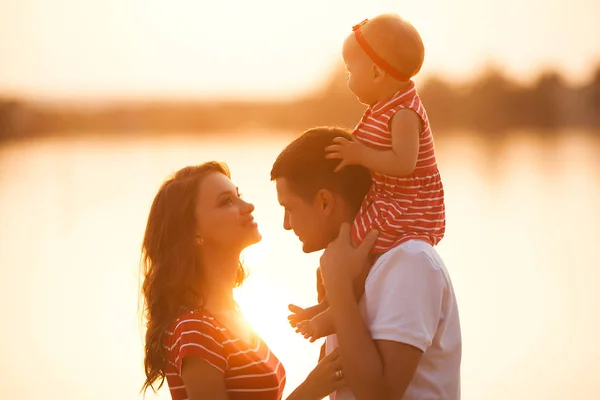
(375,369)
(404,303)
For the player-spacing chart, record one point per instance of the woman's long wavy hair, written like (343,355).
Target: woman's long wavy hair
(171,263)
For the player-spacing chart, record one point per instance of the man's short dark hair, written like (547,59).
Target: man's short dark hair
(304,166)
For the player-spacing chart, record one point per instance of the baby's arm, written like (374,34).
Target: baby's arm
(402,159)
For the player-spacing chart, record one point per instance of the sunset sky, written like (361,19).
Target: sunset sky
(92,49)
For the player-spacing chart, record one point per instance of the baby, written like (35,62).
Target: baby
(394,141)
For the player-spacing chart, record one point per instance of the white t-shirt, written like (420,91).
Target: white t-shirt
(409,299)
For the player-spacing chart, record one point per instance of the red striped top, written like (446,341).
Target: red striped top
(406,208)
(250,372)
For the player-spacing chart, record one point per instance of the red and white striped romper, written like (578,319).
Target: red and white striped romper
(406,208)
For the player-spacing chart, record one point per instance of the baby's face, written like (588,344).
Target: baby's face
(360,71)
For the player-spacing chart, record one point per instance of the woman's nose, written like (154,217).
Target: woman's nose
(248,207)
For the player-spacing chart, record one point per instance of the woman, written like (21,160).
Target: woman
(196,336)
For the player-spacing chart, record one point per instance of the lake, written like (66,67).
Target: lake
(523,223)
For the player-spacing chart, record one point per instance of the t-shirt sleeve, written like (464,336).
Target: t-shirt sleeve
(404,295)
(196,337)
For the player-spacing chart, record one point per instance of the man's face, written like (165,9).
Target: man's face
(312,221)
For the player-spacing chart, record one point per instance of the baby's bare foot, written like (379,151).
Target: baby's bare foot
(321,326)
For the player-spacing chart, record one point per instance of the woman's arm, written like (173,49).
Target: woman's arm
(202,380)
(322,380)
(205,382)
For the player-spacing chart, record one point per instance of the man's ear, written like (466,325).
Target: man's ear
(325,201)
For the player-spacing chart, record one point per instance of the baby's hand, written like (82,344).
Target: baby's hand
(349,151)
(298,315)
(316,328)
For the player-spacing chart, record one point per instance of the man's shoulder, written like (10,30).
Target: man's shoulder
(410,254)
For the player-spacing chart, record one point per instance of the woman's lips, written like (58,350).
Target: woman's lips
(249,222)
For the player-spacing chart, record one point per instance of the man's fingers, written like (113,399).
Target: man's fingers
(368,242)
(344,231)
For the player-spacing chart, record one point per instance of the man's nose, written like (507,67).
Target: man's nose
(286,222)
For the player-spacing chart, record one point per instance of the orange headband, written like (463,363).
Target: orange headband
(380,62)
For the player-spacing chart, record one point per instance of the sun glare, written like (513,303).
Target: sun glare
(257,253)
(262,306)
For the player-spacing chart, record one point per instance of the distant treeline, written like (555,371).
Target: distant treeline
(490,103)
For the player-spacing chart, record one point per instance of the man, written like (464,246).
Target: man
(402,340)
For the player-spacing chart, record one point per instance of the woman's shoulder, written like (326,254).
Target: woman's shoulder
(196,322)
(196,333)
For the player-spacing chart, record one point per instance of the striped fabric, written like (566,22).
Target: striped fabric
(251,372)
(406,208)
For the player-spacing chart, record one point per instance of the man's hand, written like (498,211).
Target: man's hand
(341,263)
(349,151)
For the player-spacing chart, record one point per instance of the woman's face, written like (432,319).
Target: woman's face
(224,220)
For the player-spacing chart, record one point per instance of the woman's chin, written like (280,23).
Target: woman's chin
(253,238)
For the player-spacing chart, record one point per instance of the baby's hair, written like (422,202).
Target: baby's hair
(396,41)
